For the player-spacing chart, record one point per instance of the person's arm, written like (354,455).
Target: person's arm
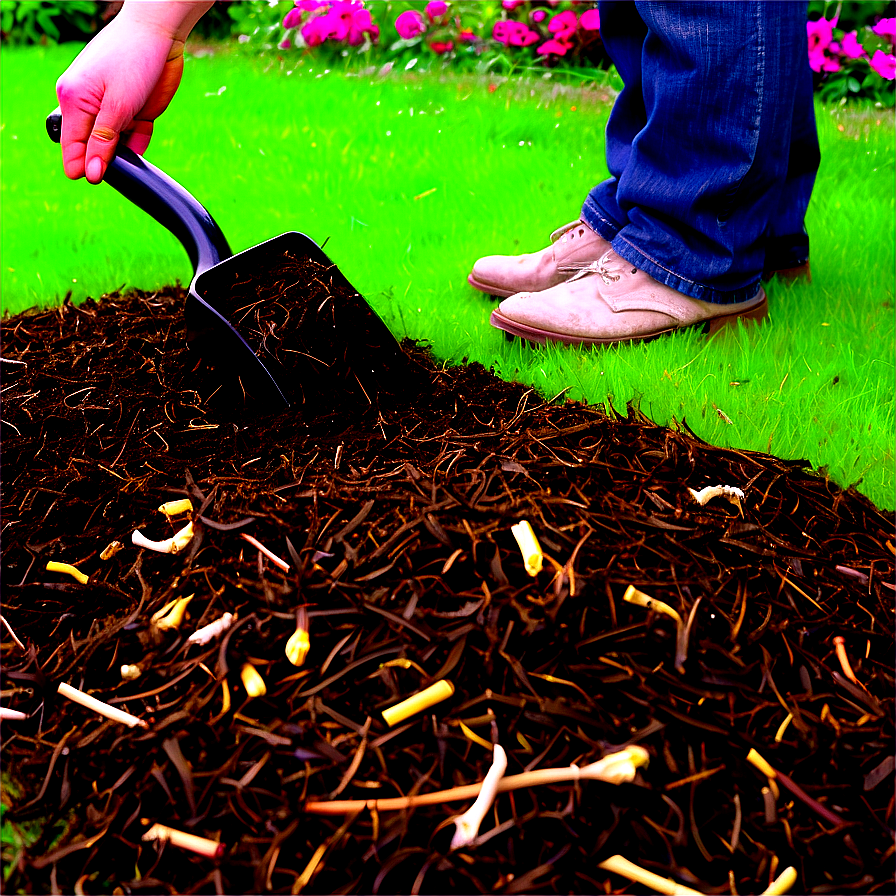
(122,81)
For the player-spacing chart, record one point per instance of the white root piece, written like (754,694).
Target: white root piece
(729,492)
(533,558)
(468,823)
(130,673)
(173,545)
(212,849)
(110,712)
(624,868)
(13,715)
(212,630)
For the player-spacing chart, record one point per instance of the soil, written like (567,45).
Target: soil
(394,519)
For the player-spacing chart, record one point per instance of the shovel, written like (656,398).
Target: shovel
(357,349)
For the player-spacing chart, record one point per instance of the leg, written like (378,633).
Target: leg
(694,191)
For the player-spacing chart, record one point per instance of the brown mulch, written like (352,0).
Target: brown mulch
(394,519)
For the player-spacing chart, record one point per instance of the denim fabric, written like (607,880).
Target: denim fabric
(711,145)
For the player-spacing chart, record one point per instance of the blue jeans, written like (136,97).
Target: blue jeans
(711,145)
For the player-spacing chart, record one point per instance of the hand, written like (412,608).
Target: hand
(121,82)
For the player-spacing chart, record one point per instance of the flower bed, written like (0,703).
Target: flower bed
(221,717)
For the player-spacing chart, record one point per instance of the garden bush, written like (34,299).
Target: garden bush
(852,45)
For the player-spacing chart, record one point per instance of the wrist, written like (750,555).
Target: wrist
(172,19)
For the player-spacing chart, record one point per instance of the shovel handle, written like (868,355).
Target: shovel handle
(164,199)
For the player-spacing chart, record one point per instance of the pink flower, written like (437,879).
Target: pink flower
(821,33)
(284,44)
(348,20)
(315,31)
(537,15)
(851,47)
(554,48)
(441,46)
(819,61)
(512,4)
(884,64)
(435,9)
(886,28)
(501,31)
(520,35)
(467,37)
(293,18)
(410,24)
(563,25)
(590,20)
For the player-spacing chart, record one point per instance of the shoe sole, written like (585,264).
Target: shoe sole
(490,290)
(710,327)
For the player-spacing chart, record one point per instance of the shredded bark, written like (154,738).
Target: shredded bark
(394,520)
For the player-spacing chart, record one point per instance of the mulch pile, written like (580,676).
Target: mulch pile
(394,519)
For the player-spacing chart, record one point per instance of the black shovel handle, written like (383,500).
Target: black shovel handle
(164,199)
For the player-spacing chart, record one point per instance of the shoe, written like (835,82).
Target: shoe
(790,275)
(613,301)
(573,247)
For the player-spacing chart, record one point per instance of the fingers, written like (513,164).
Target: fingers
(78,116)
(138,136)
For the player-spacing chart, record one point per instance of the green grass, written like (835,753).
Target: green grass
(412,179)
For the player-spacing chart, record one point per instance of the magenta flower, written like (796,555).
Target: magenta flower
(851,47)
(520,35)
(537,15)
(563,25)
(821,33)
(886,28)
(467,36)
(410,24)
(315,31)
(348,21)
(435,9)
(512,4)
(284,44)
(884,64)
(554,47)
(293,18)
(590,20)
(500,32)
(441,46)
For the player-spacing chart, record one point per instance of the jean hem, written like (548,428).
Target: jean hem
(700,291)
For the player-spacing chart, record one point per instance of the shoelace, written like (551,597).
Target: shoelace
(596,267)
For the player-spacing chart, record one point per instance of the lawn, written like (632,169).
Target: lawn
(410,179)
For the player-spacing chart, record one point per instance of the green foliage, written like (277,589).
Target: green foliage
(847,56)
(47,21)
(257,22)
(852,14)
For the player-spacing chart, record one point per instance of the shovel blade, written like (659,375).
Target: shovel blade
(313,337)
